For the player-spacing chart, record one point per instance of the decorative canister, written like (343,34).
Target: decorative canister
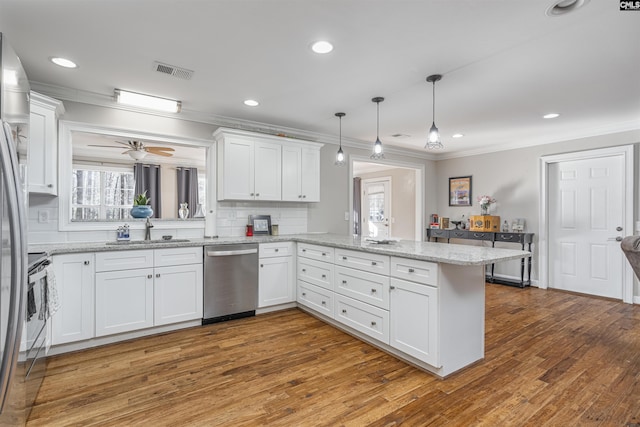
(184,210)
(141,211)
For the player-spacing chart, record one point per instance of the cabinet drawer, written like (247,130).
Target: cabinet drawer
(459,234)
(321,253)
(177,256)
(510,237)
(415,270)
(367,287)
(316,298)
(316,272)
(434,232)
(270,250)
(362,317)
(363,261)
(123,260)
(480,235)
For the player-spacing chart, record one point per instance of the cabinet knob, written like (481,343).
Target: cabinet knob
(373,323)
(374,263)
(251,194)
(157,274)
(411,270)
(324,254)
(373,291)
(324,303)
(299,196)
(344,311)
(261,265)
(392,288)
(257,194)
(304,197)
(149,276)
(304,250)
(86,262)
(344,258)
(276,250)
(324,276)
(304,294)
(344,282)
(304,270)
(50,185)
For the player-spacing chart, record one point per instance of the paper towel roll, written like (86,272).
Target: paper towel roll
(210,229)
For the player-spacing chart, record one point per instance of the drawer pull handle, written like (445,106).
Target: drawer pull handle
(257,194)
(411,270)
(157,274)
(373,323)
(86,263)
(391,288)
(304,270)
(261,265)
(324,254)
(276,250)
(304,250)
(324,303)
(374,263)
(344,282)
(304,294)
(324,276)
(344,311)
(477,234)
(373,291)
(149,276)
(344,258)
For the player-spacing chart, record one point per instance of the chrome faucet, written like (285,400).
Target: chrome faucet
(147,229)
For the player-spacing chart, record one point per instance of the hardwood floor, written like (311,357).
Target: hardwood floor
(552,358)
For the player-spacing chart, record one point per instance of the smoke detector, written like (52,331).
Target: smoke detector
(172,70)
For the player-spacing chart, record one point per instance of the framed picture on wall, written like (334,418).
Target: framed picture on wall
(460,191)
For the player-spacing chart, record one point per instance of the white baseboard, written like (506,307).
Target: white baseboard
(636,300)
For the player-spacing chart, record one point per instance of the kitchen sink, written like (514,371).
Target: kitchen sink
(145,242)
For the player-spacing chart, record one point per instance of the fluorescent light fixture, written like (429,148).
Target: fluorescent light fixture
(147,101)
(64,62)
(550,116)
(457,135)
(251,103)
(322,46)
(10,77)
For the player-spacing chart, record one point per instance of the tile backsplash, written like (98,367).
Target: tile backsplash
(232,217)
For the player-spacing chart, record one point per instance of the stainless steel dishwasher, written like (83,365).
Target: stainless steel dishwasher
(230,282)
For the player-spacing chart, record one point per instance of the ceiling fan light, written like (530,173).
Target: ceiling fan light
(147,101)
(137,155)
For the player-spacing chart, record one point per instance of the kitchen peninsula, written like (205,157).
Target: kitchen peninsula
(421,301)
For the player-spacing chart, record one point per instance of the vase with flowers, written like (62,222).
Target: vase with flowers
(485,203)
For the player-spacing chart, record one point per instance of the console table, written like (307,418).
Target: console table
(524,239)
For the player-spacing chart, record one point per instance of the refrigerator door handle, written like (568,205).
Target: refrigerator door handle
(9,170)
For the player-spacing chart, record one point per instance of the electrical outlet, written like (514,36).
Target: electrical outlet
(346,216)
(43,216)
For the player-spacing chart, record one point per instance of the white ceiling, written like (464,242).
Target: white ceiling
(505,63)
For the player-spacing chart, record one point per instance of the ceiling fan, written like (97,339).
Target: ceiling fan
(137,150)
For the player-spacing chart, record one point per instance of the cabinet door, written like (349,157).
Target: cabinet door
(268,171)
(124,301)
(43,146)
(74,321)
(177,294)
(291,173)
(310,175)
(276,281)
(414,320)
(238,173)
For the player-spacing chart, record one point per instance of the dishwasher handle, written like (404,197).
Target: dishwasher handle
(231,253)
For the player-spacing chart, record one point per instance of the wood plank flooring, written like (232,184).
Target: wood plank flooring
(552,359)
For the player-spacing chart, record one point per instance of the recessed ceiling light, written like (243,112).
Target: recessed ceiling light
(562,7)
(457,135)
(63,62)
(322,46)
(251,103)
(550,116)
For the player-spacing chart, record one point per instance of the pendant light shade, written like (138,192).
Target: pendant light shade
(340,154)
(377,146)
(433,140)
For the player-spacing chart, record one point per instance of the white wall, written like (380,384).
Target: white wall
(512,177)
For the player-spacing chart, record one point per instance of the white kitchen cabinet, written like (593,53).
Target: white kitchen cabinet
(362,317)
(124,301)
(316,298)
(276,277)
(177,293)
(414,320)
(249,169)
(300,174)
(43,144)
(74,321)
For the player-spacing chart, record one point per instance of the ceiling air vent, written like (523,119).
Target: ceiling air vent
(172,70)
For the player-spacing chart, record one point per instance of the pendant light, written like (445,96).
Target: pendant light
(377,146)
(433,140)
(340,154)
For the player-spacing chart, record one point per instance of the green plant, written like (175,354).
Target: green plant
(141,200)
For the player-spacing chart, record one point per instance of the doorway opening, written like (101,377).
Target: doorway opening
(392,203)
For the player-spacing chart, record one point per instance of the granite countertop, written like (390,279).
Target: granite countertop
(448,253)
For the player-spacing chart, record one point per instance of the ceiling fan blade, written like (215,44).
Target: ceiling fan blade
(128,143)
(160,153)
(158,149)
(105,146)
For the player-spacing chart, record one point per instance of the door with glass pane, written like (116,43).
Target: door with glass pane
(376,207)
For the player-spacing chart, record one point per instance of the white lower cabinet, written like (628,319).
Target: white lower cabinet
(276,276)
(177,294)
(75,277)
(316,298)
(363,317)
(414,320)
(124,301)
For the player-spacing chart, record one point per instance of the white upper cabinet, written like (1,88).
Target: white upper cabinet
(300,174)
(254,166)
(43,144)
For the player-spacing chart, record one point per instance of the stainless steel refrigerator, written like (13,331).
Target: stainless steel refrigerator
(14,121)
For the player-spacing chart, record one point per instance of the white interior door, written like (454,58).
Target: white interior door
(376,208)
(586,215)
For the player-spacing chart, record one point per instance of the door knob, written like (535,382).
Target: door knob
(618,228)
(617,239)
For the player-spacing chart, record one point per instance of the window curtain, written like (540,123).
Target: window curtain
(357,201)
(147,178)
(188,188)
